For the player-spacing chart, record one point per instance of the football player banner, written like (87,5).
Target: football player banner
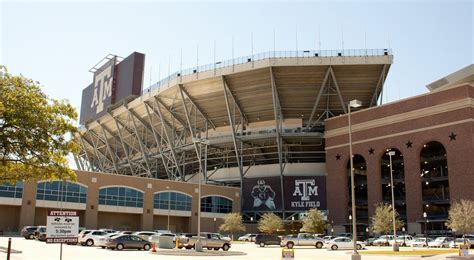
(261,194)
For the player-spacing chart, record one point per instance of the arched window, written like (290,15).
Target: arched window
(172,200)
(61,191)
(435,184)
(121,196)
(216,204)
(360,183)
(398,181)
(12,191)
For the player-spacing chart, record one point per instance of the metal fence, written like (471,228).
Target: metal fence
(270,55)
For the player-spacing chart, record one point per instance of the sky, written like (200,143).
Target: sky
(57,42)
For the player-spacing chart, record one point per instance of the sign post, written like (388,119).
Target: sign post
(287,254)
(62,227)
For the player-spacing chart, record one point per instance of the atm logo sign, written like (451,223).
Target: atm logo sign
(103,80)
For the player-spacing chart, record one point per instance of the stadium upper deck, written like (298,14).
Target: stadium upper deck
(262,109)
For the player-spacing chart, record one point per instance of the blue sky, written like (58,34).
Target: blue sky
(56,43)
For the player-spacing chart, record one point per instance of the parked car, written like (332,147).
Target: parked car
(102,241)
(403,240)
(28,232)
(40,233)
(344,235)
(327,238)
(183,239)
(127,242)
(440,242)
(144,234)
(267,239)
(370,241)
(460,241)
(209,241)
(420,242)
(302,239)
(108,230)
(89,238)
(383,240)
(343,243)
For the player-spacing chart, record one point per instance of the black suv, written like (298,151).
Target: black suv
(267,239)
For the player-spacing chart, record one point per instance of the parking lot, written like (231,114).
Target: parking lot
(36,250)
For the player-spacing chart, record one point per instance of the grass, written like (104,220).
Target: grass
(415,252)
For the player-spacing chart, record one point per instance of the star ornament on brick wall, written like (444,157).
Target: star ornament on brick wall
(338,157)
(371,150)
(452,136)
(409,144)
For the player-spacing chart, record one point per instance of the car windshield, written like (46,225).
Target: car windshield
(439,239)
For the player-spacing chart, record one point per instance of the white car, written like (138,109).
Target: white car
(383,240)
(440,242)
(460,241)
(327,238)
(343,243)
(100,242)
(403,240)
(144,234)
(420,242)
(88,237)
(247,238)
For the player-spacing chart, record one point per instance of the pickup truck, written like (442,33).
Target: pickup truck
(302,239)
(209,241)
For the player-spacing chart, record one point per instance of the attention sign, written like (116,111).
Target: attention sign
(62,226)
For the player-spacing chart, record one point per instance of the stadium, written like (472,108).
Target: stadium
(234,122)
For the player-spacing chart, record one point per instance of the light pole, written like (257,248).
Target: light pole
(292,223)
(215,225)
(367,234)
(426,225)
(350,226)
(395,243)
(198,244)
(169,207)
(404,236)
(332,227)
(355,255)
(454,236)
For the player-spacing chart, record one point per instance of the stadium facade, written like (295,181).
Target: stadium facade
(269,131)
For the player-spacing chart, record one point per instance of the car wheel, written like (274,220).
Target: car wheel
(102,247)
(246,240)
(225,247)
(146,247)
(404,244)
(119,247)
(359,247)
(90,242)
(334,247)
(290,245)
(180,247)
(216,249)
(319,245)
(30,236)
(262,244)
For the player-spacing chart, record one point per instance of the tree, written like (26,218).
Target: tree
(314,222)
(36,132)
(382,221)
(269,223)
(232,223)
(461,217)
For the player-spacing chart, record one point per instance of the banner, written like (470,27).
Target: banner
(301,193)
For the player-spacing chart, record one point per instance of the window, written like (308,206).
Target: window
(12,191)
(177,201)
(121,196)
(216,204)
(61,191)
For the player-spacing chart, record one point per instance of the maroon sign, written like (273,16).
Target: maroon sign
(305,192)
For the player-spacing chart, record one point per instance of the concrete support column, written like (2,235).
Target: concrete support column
(92,207)
(147,216)
(28,204)
(413,194)
(337,187)
(374,182)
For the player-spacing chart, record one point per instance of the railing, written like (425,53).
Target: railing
(270,55)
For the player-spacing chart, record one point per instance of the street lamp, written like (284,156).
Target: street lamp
(292,223)
(198,244)
(332,227)
(355,255)
(395,244)
(404,236)
(454,236)
(215,225)
(350,226)
(169,201)
(367,234)
(426,225)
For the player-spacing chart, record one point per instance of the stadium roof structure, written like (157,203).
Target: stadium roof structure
(266,108)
